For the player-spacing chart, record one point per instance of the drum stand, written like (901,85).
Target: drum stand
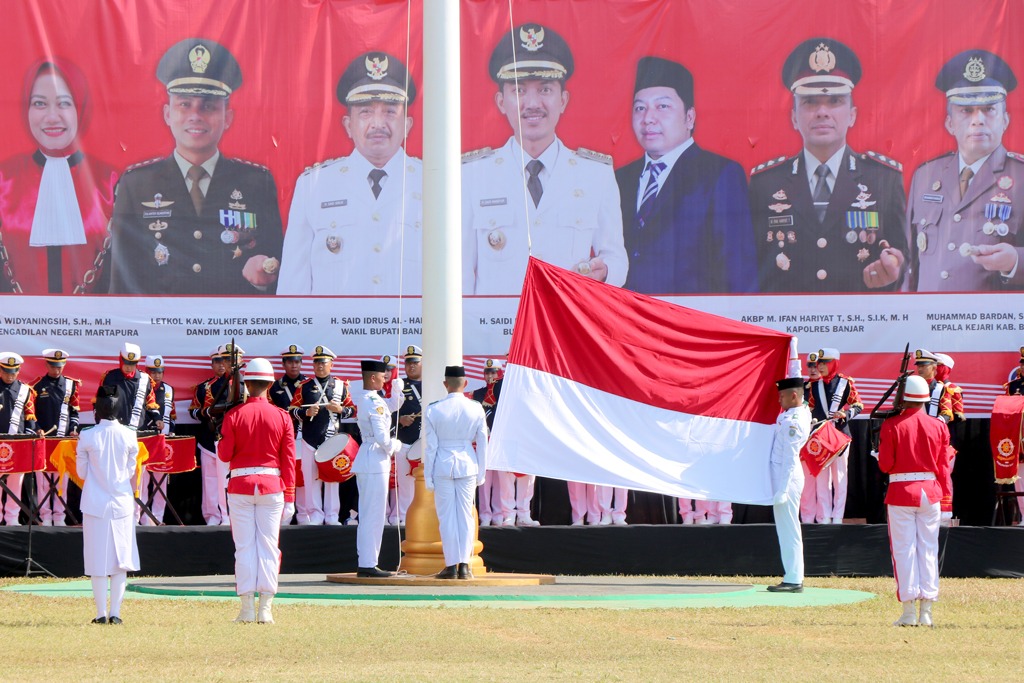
(159,484)
(53,493)
(1000,517)
(31,566)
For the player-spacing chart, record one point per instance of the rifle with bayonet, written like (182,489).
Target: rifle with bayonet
(231,393)
(896,390)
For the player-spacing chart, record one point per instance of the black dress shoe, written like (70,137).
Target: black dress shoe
(115,621)
(787,588)
(372,573)
(99,620)
(449,572)
(464,571)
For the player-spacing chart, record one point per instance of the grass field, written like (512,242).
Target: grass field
(979,636)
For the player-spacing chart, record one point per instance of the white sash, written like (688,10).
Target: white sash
(140,402)
(19,406)
(65,416)
(332,421)
(168,405)
(933,403)
(837,397)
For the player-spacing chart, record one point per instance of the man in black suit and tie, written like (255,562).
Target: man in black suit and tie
(196,222)
(686,222)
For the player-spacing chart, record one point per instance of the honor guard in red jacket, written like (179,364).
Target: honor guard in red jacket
(833,396)
(56,416)
(281,394)
(913,451)
(164,395)
(208,402)
(318,404)
(258,443)
(136,403)
(17,416)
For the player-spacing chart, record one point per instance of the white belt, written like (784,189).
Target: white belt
(451,443)
(912,476)
(246,471)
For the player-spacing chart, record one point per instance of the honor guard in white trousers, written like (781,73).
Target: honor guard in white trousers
(454,463)
(372,466)
(107,458)
(791,431)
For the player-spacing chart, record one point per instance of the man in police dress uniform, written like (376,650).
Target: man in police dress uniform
(136,405)
(17,416)
(791,431)
(318,404)
(834,396)
(207,406)
(371,467)
(355,225)
(164,395)
(686,222)
(535,196)
(454,462)
(829,219)
(196,222)
(281,393)
(56,416)
(410,422)
(966,212)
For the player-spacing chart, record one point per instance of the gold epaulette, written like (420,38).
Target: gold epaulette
(143,164)
(941,156)
(251,163)
(766,165)
(481,153)
(1016,156)
(318,164)
(585,153)
(884,160)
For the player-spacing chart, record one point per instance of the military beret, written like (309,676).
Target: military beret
(821,66)
(531,51)
(454,371)
(976,77)
(376,77)
(790,383)
(199,67)
(653,72)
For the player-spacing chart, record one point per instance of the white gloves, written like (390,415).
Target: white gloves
(288,513)
(945,518)
(780,498)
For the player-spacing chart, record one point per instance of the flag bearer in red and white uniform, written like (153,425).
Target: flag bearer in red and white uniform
(56,416)
(833,396)
(258,444)
(913,451)
(17,416)
(809,497)
(164,395)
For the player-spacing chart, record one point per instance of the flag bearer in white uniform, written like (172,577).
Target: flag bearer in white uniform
(791,431)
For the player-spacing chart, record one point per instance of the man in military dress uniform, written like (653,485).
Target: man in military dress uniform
(835,397)
(410,422)
(686,221)
(355,225)
(965,217)
(56,416)
(136,405)
(281,393)
(939,404)
(829,219)
(318,404)
(17,416)
(207,408)
(168,415)
(535,196)
(196,222)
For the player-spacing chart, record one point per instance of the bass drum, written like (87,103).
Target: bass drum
(334,458)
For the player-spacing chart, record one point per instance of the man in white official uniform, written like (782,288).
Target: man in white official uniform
(453,469)
(355,225)
(106,461)
(371,467)
(791,431)
(535,196)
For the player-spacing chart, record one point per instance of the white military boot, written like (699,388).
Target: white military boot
(909,616)
(265,615)
(926,613)
(247,614)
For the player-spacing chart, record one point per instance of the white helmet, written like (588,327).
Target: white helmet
(916,390)
(259,369)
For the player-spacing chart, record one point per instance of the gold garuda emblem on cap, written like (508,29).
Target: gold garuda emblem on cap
(130,356)
(489,363)
(975,70)
(199,59)
(377,68)
(386,359)
(822,59)
(411,350)
(319,350)
(918,355)
(157,363)
(813,357)
(821,353)
(58,354)
(293,349)
(532,37)
(11,360)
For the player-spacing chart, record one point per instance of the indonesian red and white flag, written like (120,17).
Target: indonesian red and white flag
(606,386)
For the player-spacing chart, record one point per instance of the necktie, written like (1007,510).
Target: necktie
(195,174)
(965,180)
(822,193)
(533,183)
(375,177)
(654,169)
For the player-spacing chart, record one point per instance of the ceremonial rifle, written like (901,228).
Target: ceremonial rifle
(896,390)
(233,389)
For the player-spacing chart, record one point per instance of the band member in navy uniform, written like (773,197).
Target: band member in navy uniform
(834,396)
(829,219)
(165,396)
(56,416)
(282,391)
(206,408)
(940,404)
(318,404)
(196,222)
(809,498)
(17,416)
(410,422)
(136,405)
